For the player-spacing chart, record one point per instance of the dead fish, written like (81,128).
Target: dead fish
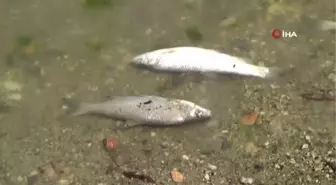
(194,59)
(147,110)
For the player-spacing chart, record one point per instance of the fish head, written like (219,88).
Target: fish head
(196,112)
(200,113)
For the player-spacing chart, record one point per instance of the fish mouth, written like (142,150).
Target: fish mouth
(199,120)
(205,117)
(138,65)
(208,116)
(207,113)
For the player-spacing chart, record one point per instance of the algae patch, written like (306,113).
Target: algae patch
(292,11)
(24,41)
(194,34)
(98,3)
(95,45)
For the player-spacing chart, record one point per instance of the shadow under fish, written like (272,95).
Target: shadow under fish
(131,125)
(149,111)
(173,79)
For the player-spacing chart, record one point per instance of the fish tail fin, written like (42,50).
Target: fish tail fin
(327,25)
(75,108)
(274,72)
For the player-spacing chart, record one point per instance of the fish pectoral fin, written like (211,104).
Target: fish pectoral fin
(128,125)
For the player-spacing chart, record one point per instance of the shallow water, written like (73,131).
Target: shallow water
(57,49)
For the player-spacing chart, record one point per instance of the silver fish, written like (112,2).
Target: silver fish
(147,110)
(193,59)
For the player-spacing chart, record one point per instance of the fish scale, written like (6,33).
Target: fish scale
(194,59)
(148,110)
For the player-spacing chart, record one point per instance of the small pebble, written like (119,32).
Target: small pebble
(332,77)
(225,131)
(305,146)
(246,180)
(327,63)
(64,182)
(12,86)
(164,144)
(292,161)
(228,22)
(19,179)
(64,107)
(185,157)
(212,167)
(307,138)
(15,97)
(207,177)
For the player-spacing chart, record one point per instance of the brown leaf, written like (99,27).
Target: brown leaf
(249,119)
(177,176)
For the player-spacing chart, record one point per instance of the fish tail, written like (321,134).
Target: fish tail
(327,25)
(276,72)
(82,108)
(75,108)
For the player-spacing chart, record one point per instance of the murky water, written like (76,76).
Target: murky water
(81,49)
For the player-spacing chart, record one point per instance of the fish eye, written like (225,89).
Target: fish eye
(198,113)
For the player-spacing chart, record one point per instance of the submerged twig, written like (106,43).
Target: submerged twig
(134,175)
(323,95)
(128,174)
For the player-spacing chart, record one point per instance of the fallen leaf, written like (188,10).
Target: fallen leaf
(177,176)
(249,119)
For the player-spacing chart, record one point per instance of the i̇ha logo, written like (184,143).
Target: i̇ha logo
(277,33)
